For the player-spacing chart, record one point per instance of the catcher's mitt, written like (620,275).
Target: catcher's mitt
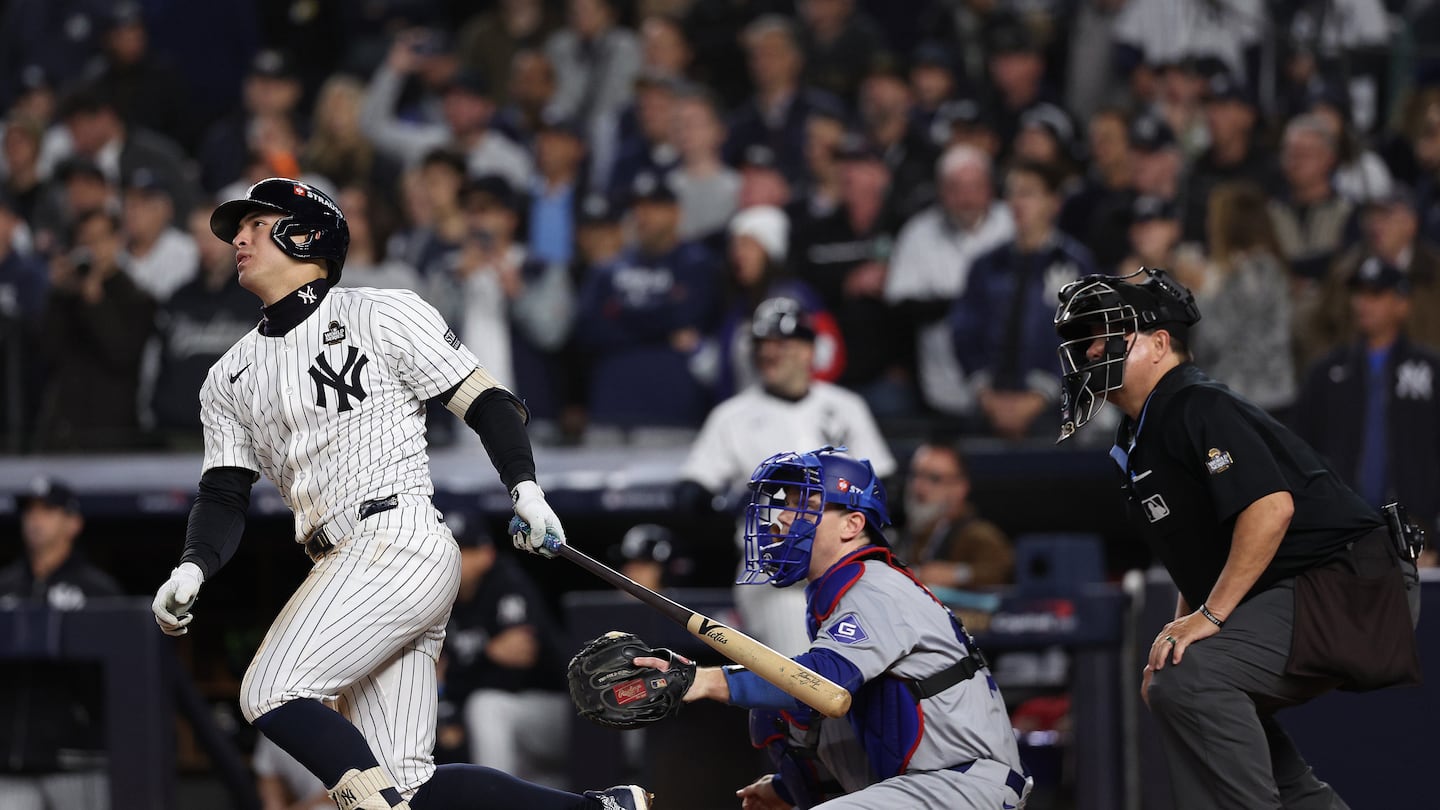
(608,688)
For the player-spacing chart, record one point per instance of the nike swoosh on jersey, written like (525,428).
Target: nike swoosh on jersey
(236,375)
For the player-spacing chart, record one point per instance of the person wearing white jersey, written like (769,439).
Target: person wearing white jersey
(785,407)
(927,727)
(326,397)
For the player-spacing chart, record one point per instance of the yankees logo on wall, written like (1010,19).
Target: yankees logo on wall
(325,376)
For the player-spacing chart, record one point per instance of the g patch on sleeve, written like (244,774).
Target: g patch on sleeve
(452,338)
(1218,461)
(847,630)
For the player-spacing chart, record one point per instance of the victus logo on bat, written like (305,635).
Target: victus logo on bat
(714,631)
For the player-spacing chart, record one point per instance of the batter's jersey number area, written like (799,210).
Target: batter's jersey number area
(345,382)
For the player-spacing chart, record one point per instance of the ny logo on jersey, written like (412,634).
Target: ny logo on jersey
(326,376)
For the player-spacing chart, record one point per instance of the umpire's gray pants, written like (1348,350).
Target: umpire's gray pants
(1214,709)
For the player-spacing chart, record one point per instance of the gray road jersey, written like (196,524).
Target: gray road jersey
(885,623)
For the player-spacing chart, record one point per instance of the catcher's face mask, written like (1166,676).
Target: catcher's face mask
(1092,322)
(788,495)
(787,498)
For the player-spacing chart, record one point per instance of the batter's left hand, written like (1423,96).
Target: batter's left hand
(535,528)
(1170,645)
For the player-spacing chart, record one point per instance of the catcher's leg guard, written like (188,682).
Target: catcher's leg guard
(623,797)
(360,790)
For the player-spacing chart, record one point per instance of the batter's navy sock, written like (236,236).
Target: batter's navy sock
(319,738)
(471,787)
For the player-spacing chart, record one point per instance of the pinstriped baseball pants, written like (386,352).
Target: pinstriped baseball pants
(364,630)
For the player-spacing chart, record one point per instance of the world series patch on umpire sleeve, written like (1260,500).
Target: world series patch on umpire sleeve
(452,338)
(847,630)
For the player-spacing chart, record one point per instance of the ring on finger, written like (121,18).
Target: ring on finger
(1170,639)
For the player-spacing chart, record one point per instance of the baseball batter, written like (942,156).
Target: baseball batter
(785,408)
(327,397)
(926,712)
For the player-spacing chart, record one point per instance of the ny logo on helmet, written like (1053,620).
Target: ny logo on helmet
(325,376)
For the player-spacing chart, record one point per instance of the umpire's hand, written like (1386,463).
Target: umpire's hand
(535,527)
(174,599)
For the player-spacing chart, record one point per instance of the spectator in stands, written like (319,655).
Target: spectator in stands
(506,664)
(664,47)
(271,88)
(1245,339)
(20,145)
(932,82)
(145,87)
(930,265)
(1154,236)
(282,782)
(1361,175)
(1390,232)
(58,46)
(98,133)
(1232,114)
(1097,212)
(197,325)
(775,115)
(715,29)
(1421,132)
(432,211)
(466,107)
(884,108)
(596,62)
(1371,405)
(556,190)
(967,121)
(1003,322)
(762,183)
(52,754)
(1309,217)
(490,42)
(709,190)
(785,407)
(820,192)
(516,311)
(24,288)
(79,187)
(945,541)
(1156,157)
(641,319)
(649,554)
(161,256)
(599,244)
(841,46)
(1047,135)
(368,262)
(532,88)
(1016,71)
(95,330)
(643,134)
(843,256)
(337,148)
(758,245)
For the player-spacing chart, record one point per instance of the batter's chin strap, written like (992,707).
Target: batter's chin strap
(958,672)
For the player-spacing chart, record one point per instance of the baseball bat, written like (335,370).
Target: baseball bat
(800,682)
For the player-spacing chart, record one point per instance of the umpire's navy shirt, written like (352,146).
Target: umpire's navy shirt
(1199,456)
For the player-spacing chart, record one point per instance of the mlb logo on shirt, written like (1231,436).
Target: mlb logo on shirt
(847,630)
(1155,508)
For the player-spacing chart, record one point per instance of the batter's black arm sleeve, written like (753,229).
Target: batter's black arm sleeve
(217,520)
(501,429)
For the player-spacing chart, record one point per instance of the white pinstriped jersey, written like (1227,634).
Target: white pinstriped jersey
(333,411)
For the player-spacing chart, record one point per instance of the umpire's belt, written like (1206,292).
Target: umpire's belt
(319,543)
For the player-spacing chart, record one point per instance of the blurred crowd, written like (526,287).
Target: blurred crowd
(598,193)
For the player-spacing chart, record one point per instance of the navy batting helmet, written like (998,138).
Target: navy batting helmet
(306,211)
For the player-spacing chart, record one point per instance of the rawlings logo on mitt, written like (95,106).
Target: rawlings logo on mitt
(608,688)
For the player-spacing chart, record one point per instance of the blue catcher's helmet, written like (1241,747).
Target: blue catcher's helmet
(788,494)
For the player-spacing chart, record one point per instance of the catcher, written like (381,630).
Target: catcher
(927,728)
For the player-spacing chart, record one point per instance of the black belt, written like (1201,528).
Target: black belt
(319,543)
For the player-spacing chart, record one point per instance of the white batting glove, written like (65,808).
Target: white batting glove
(535,527)
(174,599)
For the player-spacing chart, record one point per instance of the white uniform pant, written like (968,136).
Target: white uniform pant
(525,734)
(364,630)
(79,790)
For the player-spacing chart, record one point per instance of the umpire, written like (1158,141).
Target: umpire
(1290,584)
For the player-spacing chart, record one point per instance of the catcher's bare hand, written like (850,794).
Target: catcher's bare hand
(761,795)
